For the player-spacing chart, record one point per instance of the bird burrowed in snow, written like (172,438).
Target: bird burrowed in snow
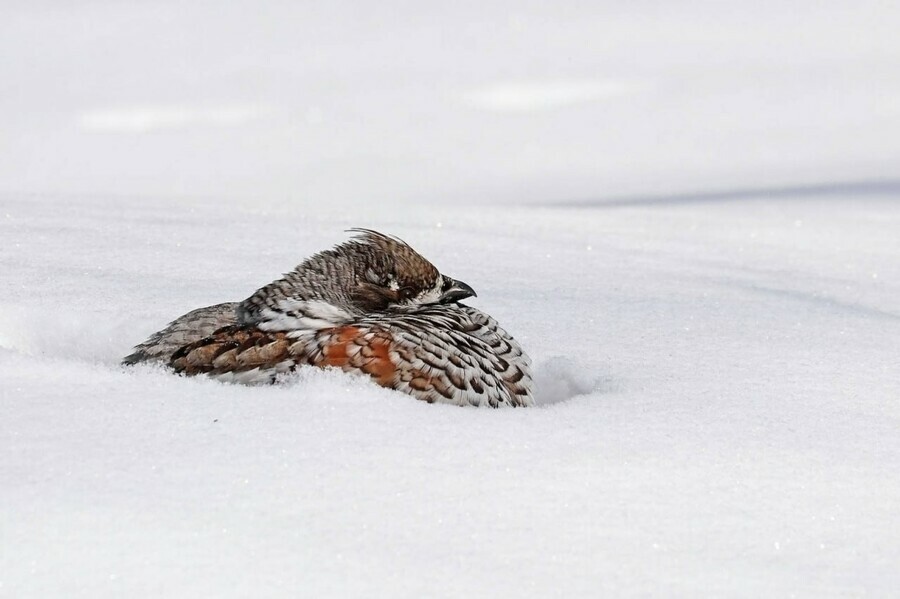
(371,306)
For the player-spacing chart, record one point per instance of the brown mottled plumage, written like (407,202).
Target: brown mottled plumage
(371,306)
(186,329)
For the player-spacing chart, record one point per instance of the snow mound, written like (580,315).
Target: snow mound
(562,378)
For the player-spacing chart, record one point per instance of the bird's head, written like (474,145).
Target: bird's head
(389,274)
(369,273)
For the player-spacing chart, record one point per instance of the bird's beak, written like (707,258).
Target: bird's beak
(453,291)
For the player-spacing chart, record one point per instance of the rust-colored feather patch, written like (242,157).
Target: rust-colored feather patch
(335,351)
(354,349)
(379,366)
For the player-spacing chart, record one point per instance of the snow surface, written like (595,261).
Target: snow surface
(688,214)
(718,386)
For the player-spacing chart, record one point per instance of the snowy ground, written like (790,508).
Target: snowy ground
(688,214)
(718,389)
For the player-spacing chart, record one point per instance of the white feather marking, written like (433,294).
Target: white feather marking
(429,296)
(295,315)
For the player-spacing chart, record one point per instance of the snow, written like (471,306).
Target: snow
(432,101)
(704,271)
(717,382)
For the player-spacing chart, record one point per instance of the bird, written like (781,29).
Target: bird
(371,306)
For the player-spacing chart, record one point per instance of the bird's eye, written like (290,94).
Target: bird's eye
(406,292)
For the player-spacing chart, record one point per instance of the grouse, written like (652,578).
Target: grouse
(371,305)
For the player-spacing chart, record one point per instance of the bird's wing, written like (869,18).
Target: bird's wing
(186,329)
(437,355)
